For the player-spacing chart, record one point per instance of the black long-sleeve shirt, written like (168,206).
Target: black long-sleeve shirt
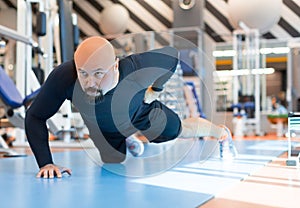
(118,116)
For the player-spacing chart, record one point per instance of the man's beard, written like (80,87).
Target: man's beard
(95,99)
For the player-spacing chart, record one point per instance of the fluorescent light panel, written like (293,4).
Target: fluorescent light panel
(230,53)
(243,72)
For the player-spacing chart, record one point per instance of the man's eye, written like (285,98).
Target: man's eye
(82,73)
(99,74)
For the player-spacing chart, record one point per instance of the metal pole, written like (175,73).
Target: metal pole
(257,82)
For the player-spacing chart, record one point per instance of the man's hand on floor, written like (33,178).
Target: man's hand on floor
(51,171)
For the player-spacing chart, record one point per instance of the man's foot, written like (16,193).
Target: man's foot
(135,146)
(227,148)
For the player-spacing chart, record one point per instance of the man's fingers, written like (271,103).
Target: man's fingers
(58,173)
(150,95)
(51,173)
(39,174)
(45,174)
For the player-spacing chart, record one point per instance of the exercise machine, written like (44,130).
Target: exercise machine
(293,75)
(26,81)
(10,99)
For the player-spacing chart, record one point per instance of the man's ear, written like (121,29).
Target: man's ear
(117,64)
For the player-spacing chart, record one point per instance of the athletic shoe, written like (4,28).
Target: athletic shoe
(227,148)
(135,146)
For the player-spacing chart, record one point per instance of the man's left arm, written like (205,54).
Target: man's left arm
(166,59)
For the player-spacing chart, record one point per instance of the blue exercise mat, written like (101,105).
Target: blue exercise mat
(190,183)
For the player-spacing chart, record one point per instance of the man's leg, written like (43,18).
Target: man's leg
(199,127)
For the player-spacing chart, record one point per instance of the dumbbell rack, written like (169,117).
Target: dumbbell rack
(293,129)
(173,94)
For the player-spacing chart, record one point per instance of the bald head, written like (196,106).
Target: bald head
(97,66)
(94,53)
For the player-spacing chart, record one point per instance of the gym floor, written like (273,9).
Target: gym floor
(257,178)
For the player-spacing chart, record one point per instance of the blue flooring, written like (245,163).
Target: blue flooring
(189,181)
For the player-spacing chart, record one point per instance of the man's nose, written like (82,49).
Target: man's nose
(91,81)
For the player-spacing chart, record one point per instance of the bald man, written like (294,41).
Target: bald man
(116,98)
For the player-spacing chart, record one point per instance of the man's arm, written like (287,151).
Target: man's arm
(160,65)
(170,58)
(46,104)
(164,58)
